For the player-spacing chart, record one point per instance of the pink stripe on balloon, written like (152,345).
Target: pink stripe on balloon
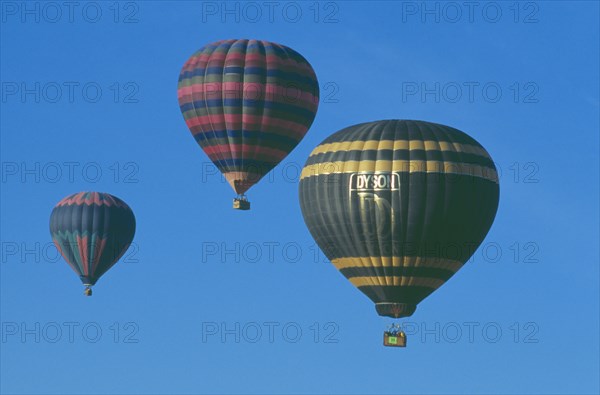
(290,94)
(72,265)
(245,149)
(252,123)
(83,253)
(92,198)
(98,251)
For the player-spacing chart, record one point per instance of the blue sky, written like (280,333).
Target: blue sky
(190,307)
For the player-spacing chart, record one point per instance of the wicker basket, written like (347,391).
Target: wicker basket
(394,339)
(241,204)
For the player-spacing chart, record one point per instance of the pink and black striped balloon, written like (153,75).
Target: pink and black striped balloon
(248,103)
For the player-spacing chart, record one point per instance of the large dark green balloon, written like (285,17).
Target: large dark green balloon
(399,206)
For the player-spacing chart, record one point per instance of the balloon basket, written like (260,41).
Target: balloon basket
(394,339)
(88,291)
(241,203)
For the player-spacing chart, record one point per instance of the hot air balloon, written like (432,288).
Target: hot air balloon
(92,230)
(248,103)
(398,207)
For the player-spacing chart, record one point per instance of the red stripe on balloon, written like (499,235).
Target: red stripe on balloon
(98,251)
(59,248)
(291,94)
(90,198)
(251,123)
(244,149)
(83,253)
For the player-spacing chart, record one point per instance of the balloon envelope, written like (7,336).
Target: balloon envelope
(399,206)
(92,230)
(248,103)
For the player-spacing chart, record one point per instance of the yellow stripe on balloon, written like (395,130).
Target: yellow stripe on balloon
(427,145)
(402,166)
